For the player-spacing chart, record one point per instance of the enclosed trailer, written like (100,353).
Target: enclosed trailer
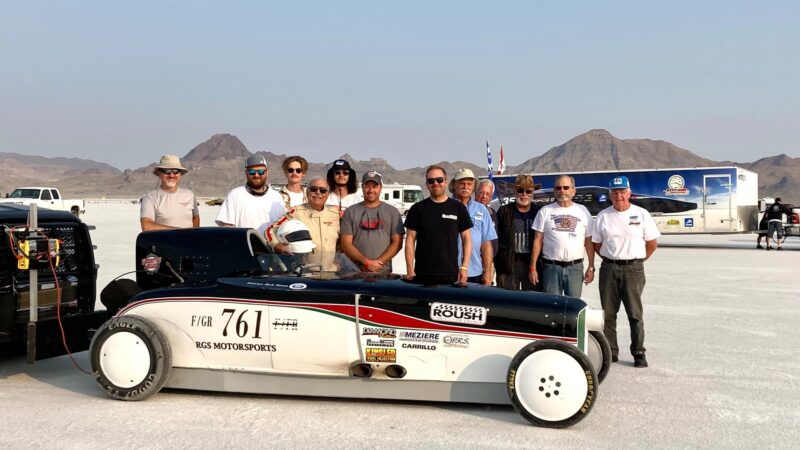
(687,200)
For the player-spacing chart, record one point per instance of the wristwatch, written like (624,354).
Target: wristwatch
(591,269)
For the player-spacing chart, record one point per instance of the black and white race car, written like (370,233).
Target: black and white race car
(214,309)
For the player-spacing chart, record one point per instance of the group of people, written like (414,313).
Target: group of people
(456,238)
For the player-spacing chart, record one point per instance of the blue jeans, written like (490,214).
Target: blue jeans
(563,280)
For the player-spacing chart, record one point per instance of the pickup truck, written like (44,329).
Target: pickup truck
(791,224)
(45,197)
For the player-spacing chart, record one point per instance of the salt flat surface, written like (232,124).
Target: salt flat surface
(722,337)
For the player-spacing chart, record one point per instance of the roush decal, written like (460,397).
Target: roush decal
(388,355)
(471,315)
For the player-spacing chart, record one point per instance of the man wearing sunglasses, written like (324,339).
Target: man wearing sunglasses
(372,231)
(563,233)
(515,238)
(434,226)
(344,190)
(482,232)
(169,206)
(322,222)
(294,167)
(253,205)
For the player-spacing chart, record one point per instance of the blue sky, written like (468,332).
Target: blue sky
(411,82)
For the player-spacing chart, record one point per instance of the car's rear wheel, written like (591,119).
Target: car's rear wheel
(131,358)
(552,383)
(599,352)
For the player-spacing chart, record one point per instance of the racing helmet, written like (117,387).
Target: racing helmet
(295,233)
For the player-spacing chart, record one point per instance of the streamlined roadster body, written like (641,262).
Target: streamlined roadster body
(213,309)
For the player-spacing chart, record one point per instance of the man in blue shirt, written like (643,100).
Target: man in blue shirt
(482,232)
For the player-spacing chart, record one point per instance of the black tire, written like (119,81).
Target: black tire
(551,383)
(601,362)
(116,348)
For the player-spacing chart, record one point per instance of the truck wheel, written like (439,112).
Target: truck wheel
(131,358)
(75,211)
(551,383)
(599,351)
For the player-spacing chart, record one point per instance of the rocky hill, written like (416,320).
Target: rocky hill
(216,167)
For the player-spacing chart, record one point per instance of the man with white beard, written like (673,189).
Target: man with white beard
(169,206)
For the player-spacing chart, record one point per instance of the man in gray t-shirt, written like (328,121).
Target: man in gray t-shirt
(169,206)
(372,231)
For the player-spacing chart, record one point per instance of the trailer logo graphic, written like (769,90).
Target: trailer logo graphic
(676,185)
(472,315)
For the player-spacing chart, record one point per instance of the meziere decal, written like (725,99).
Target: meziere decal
(471,315)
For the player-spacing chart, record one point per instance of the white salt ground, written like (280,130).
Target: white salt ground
(722,337)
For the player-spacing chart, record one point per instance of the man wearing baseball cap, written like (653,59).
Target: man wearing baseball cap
(253,205)
(625,236)
(372,231)
(344,190)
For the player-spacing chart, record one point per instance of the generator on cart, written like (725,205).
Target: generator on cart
(47,282)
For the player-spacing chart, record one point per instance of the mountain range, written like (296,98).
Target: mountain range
(216,167)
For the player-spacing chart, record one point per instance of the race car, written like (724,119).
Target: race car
(215,309)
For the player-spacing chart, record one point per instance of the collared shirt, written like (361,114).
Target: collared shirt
(483,230)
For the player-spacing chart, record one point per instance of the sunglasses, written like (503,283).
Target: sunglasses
(524,191)
(170,171)
(562,188)
(341,172)
(320,189)
(437,180)
(293,170)
(252,172)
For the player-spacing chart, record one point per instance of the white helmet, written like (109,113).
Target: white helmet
(295,233)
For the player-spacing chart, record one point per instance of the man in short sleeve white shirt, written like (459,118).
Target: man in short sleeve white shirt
(625,236)
(564,233)
(253,205)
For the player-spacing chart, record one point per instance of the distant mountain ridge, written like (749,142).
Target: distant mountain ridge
(216,167)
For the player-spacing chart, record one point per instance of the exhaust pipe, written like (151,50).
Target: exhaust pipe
(361,370)
(395,371)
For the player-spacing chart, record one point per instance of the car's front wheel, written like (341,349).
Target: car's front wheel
(130,357)
(552,383)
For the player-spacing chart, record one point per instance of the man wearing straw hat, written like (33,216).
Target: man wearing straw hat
(169,206)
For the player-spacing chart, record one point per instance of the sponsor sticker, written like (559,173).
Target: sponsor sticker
(676,185)
(673,222)
(388,333)
(456,340)
(151,263)
(688,222)
(388,355)
(284,324)
(380,342)
(470,315)
(418,336)
(297,286)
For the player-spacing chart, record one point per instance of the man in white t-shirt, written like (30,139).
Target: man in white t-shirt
(253,205)
(564,232)
(625,236)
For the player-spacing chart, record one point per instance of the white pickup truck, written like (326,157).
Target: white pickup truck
(44,197)
(791,224)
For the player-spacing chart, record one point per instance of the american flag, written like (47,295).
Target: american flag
(501,166)
(489,160)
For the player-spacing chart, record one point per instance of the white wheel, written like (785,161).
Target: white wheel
(552,383)
(125,359)
(130,357)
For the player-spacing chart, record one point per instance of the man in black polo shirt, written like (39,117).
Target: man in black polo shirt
(433,227)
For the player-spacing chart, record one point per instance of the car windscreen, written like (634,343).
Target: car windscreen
(25,193)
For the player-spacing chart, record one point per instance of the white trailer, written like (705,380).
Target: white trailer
(682,201)
(401,196)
